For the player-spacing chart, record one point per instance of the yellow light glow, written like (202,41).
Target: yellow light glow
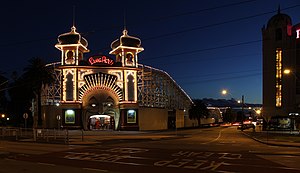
(258,112)
(3,115)
(278,77)
(287,71)
(224,92)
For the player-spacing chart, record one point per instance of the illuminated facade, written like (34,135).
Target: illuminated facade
(105,93)
(281,91)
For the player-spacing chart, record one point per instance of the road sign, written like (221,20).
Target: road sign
(25,115)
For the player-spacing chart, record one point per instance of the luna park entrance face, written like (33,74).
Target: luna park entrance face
(99,111)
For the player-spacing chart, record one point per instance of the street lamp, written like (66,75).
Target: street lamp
(225,92)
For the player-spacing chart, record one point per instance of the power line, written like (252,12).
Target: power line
(217,74)
(196,59)
(202,50)
(214,24)
(158,19)
(205,9)
(220,79)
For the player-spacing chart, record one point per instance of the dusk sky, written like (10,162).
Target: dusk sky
(205,45)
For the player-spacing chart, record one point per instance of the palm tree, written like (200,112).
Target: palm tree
(37,74)
(3,86)
(198,111)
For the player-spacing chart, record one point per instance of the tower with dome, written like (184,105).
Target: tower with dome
(281,70)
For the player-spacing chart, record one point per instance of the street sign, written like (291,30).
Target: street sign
(25,115)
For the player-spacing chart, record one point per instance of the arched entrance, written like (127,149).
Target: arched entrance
(100,110)
(100,98)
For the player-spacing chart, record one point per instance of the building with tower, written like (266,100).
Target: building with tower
(281,70)
(117,93)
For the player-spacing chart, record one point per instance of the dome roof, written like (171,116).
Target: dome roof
(72,37)
(126,40)
(280,19)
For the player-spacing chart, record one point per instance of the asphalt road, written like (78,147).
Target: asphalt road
(216,149)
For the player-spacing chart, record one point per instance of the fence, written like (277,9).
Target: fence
(39,135)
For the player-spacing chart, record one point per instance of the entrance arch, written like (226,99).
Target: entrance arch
(101,104)
(100,96)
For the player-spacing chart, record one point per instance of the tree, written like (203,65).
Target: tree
(20,99)
(228,116)
(37,74)
(3,99)
(198,110)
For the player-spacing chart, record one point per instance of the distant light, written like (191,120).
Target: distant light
(224,92)
(7,119)
(131,111)
(258,112)
(3,115)
(70,112)
(287,71)
(57,104)
(239,101)
(93,105)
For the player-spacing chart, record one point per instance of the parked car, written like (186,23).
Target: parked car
(246,126)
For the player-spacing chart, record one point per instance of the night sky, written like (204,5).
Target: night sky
(206,45)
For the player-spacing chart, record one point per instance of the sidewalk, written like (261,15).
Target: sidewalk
(79,137)
(276,138)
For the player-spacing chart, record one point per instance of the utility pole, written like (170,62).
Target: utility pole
(243,101)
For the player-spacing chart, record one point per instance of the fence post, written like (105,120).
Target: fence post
(47,135)
(16,134)
(66,136)
(34,134)
(2,130)
(54,134)
(81,135)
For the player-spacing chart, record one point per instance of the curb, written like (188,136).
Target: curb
(270,142)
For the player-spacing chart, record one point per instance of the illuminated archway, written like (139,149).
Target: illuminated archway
(100,95)
(100,81)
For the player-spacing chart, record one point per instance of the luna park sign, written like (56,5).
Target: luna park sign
(101,60)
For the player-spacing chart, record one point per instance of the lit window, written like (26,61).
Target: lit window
(278,77)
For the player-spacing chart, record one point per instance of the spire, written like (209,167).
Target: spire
(73,15)
(124,19)
(278,11)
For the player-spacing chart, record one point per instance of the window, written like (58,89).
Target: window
(130,88)
(278,77)
(69,87)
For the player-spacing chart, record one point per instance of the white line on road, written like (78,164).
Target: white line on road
(214,139)
(47,164)
(92,169)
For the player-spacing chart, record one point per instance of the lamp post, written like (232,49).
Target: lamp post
(225,92)
(294,114)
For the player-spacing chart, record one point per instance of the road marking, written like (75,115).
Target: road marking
(47,164)
(92,169)
(220,133)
